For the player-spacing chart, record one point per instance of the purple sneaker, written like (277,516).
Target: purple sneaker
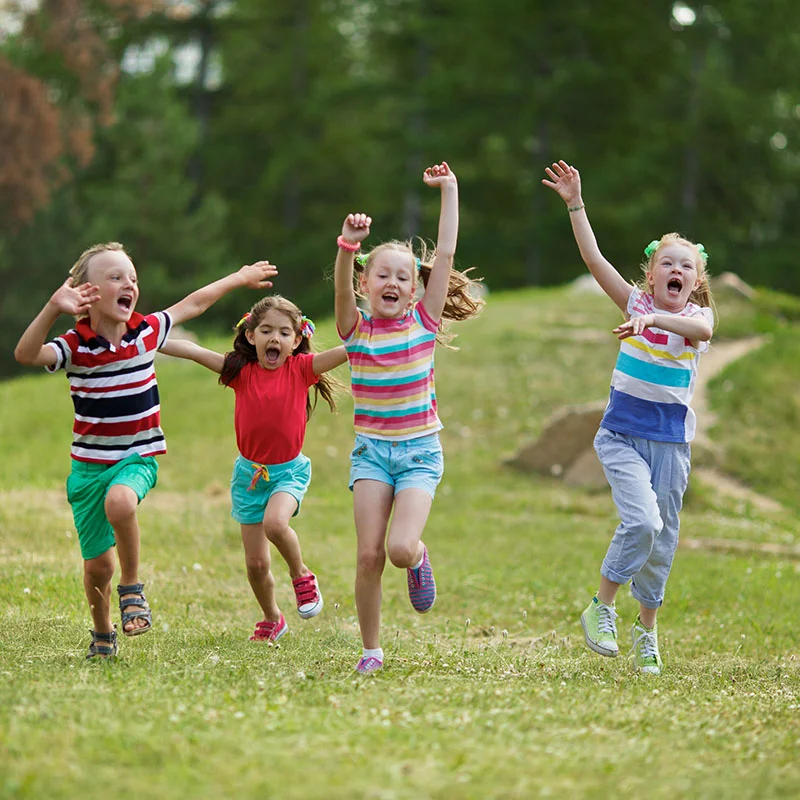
(422,586)
(368,665)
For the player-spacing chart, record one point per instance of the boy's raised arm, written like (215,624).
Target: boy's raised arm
(252,276)
(67,299)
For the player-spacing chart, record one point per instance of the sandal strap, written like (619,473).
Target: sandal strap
(99,636)
(103,644)
(139,602)
(134,588)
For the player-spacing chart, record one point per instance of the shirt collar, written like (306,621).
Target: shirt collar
(84,328)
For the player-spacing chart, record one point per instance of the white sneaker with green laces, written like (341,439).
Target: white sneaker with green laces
(645,653)
(600,628)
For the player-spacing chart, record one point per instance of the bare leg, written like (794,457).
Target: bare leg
(607,591)
(257,559)
(97,575)
(372,505)
(279,511)
(120,507)
(411,510)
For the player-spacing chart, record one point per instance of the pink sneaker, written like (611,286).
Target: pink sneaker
(422,586)
(366,666)
(309,597)
(269,631)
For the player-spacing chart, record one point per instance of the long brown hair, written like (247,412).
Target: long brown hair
(462,301)
(244,353)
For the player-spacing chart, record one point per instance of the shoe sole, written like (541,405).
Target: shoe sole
(314,610)
(592,645)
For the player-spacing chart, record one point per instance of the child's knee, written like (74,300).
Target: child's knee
(371,560)
(100,570)
(275,528)
(258,567)
(403,554)
(120,504)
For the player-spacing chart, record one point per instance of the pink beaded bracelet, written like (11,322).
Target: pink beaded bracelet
(351,247)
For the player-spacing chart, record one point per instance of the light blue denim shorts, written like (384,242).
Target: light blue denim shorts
(253,484)
(406,464)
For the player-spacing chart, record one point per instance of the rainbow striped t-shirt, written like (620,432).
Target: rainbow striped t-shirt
(391,375)
(654,378)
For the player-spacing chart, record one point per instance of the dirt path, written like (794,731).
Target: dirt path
(712,363)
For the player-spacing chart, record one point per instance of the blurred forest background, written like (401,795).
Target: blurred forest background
(209,134)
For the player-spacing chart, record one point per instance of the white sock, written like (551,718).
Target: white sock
(417,566)
(376,652)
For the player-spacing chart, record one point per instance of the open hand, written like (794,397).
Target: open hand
(257,276)
(356,227)
(565,180)
(634,326)
(74,300)
(439,175)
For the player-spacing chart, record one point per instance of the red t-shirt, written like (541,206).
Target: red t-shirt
(270,415)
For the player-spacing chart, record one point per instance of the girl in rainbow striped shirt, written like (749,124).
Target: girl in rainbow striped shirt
(397,462)
(643,441)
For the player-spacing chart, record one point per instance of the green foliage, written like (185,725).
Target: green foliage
(491,695)
(336,106)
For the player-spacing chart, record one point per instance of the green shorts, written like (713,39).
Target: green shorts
(87,487)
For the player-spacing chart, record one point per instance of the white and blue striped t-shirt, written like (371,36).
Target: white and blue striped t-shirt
(654,378)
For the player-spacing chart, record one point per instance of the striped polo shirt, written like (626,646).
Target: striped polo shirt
(113,389)
(391,375)
(654,378)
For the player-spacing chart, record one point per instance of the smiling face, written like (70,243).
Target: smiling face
(674,273)
(390,283)
(274,338)
(113,272)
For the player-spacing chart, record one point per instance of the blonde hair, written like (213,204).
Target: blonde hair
(80,269)
(701,296)
(461,302)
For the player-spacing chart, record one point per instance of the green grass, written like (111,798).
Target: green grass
(492,695)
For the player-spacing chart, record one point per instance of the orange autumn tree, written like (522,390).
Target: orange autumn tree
(57,80)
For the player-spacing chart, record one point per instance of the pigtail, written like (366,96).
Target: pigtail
(243,353)
(326,385)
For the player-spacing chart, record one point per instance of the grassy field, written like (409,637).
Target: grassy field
(493,694)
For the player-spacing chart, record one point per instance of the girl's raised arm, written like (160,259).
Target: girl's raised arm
(436,290)
(354,230)
(180,348)
(566,181)
(329,359)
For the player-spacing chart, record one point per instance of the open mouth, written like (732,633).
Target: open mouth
(272,354)
(125,302)
(389,297)
(675,285)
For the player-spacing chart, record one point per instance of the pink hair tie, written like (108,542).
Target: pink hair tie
(351,247)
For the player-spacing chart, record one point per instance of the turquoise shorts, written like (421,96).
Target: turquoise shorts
(87,487)
(253,484)
(404,464)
